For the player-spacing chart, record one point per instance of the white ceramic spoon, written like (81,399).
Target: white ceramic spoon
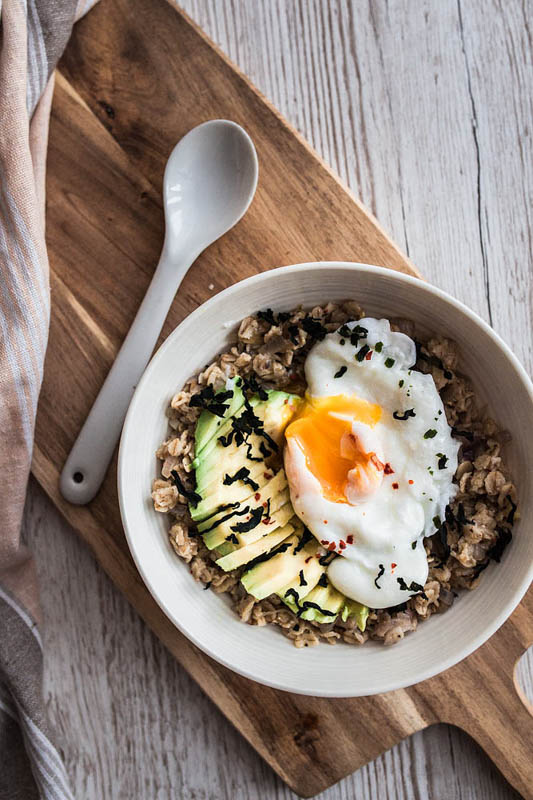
(210,180)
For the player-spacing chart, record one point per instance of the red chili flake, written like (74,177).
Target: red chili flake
(325,542)
(331,546)
(308,559)
(267,521)
(393,566)
(375,460)
(395,485)
(257,496)
(325,521)
(342,544)
(388,469)
(265,504)
(411,482)
(267,475)
(349,539)
(369,355)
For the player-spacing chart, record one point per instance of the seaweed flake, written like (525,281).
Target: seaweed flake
(340,372)
(266,556)
(267,315)
(309,604)
(306,537)
(360,355)
(314,328)
(323,580)
(413,587)
(294,594)
(378,576)
(193,497)
(255,518)
(303,582)
(443,460)
(232,538)
(218,522)
(208,400)
(410,412)
(357,333)
(243,474)
(252,385)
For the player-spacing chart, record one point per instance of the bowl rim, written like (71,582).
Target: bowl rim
(267,275)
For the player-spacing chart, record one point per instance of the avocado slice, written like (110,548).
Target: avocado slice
(277,572)
(306,579)
(242,555)
(229,529)
(354,609)
(274,490)
(209,424)
(328,599)
(214,462)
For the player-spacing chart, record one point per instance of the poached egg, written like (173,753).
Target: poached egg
(370,461)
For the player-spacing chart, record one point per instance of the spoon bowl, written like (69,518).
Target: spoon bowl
(210,180)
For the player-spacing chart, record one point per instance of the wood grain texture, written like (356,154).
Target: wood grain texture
(315,31)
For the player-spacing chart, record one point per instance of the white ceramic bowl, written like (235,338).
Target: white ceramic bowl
(263,654)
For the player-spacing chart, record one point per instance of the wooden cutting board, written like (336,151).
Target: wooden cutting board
(136,76)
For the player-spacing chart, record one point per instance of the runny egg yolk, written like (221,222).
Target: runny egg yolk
(323,430)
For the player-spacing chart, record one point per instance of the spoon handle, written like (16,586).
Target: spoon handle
(89,458)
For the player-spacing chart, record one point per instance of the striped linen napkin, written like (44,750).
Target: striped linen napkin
(33,34)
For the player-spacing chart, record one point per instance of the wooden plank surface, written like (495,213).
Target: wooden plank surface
(513,307)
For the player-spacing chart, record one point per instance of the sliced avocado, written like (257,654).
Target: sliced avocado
(223,430)
(280,408)
(215,460)
(218,496)
(306,579)
(354,609)
(209,424)
(328,599)
(244,554)
(229,529)
(277,572)
(218,526)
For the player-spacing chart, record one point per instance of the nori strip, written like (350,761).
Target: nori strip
(218,522)
(378,576)
(241,475)
(410,412)
(255,518)
(360,355)
(265,556)
(306,537)
(193,497)
(314,328)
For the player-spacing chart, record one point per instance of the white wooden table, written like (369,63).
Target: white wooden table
(425,110)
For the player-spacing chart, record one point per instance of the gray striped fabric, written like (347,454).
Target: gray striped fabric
(33,34)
